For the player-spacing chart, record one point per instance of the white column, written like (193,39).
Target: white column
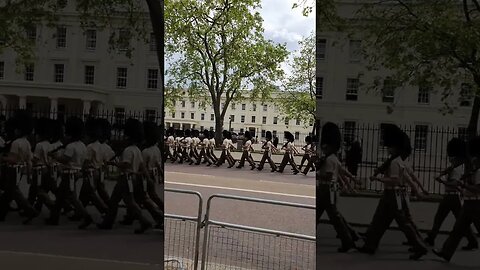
(22,102)
(53,108)
(86,106)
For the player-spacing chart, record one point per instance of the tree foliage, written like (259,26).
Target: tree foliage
(298,96)
(220,51)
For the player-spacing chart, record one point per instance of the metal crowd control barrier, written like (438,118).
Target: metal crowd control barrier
(243,247)
(182,236)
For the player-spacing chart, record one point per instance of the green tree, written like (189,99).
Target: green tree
(220,51)
(298,96)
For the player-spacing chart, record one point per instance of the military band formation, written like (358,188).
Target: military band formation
(195,147)
(462,195)
(69,166)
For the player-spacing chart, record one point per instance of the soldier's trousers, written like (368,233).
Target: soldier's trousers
(211,155)
(470,212)
(387,211)
(140,195)
(310,164)
(449,203)
(267,156)
(66,196)
(288,158)
(224,156)
(38,192)
(246,156)
(120,192)
(203,154)
(324,204)
(88,194)
(13,193)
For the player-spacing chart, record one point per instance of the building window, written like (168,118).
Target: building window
(244,107)
(202,116)
(234,106)
(265,108)
(355,50)
(91,39)
(192,115)
(62,3)
(466,95)
(388,91)
(232,118)
(31,32)
(121,77)
(182,115)
(298,122)
(119,116)
(275,120)
(89,74)
(29,72)
(183,103)
(59,73)
(321,48)
(212,117)
(297,136)
(349,131)
(192,104)
(123,39)
(421,132)
(254,107)
(274,133)
(287,121)
(173,114)
(242,119)
(2,70)
(263,133)
(152,78)
(61,37)
(153,42)
(352,89)
(151,115)
(319,88)
(264,120)
(253,119)
(462,133)
(424,94)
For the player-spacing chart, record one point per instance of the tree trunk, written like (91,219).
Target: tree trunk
(218,130)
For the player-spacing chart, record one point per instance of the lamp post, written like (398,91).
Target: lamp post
(230,123)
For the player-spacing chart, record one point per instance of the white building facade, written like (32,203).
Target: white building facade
(74,71)
(342,80)
(254,116)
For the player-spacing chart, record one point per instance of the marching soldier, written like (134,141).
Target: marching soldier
(307,148)
(267,154)
(19,165)
(247,148)
(72,161)
(451,201)
(328,185)
(131,166)
(211,146)
(290,150)
(471,207)
(393,202)
(204,145)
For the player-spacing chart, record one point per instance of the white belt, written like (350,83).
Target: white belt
(334,187)
(452,193)
(476,198)
(155,175)
(129,182)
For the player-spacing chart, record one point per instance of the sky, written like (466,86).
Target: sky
(283,24)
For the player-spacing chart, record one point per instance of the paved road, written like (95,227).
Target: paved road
(235,247)
(392,255)
(37,246)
